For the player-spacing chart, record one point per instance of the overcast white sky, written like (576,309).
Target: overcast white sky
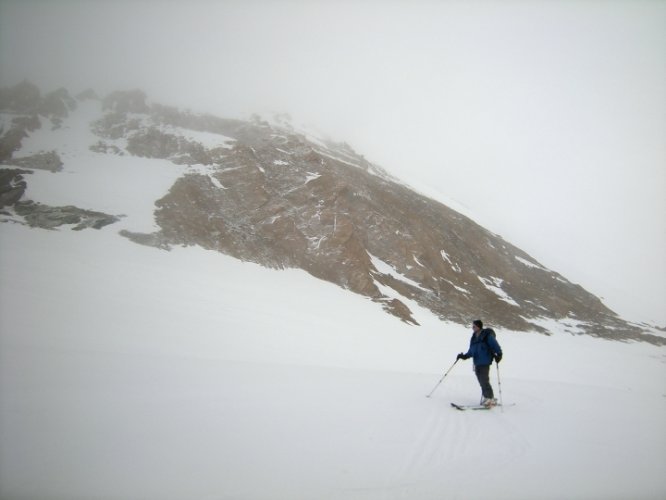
(546,119)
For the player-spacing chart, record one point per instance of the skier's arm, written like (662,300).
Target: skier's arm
(466,355)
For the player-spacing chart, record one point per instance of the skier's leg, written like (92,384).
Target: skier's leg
(483,376)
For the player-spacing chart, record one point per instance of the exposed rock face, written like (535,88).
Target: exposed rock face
(26,98)
(42,161)
(12,135)
(269,194)
(57,104)
(146,136)
(47,217)
(12,189)
(133,101)
(103,147)
(22,98)
(281,200)
(304,209)
(12,186)
(24,104)
(152,143)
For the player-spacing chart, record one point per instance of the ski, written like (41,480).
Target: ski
(477,407)
(470,407)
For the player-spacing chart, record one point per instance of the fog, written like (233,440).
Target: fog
(546,119)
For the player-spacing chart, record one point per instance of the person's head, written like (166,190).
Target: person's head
(477,325)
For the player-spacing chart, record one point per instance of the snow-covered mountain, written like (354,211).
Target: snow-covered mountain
(268,194)
(128,372)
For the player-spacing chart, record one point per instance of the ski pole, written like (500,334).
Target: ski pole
(442,379)
(499,385)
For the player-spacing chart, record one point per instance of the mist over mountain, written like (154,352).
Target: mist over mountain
(264,191)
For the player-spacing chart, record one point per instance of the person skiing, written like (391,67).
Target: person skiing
(483,347)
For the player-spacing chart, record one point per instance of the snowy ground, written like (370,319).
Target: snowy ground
(128,372)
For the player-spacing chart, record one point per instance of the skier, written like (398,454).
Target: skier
(483,347)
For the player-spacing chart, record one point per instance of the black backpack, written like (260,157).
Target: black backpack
(487,332)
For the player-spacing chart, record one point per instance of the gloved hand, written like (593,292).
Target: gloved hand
(461,356)
(498,357)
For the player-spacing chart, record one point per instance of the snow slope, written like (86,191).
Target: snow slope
(128,372)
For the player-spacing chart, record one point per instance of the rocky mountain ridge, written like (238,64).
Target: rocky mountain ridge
(269,194)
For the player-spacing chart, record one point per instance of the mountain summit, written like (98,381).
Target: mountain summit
(268,193)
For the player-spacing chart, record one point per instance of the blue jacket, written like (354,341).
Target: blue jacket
(483,347)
